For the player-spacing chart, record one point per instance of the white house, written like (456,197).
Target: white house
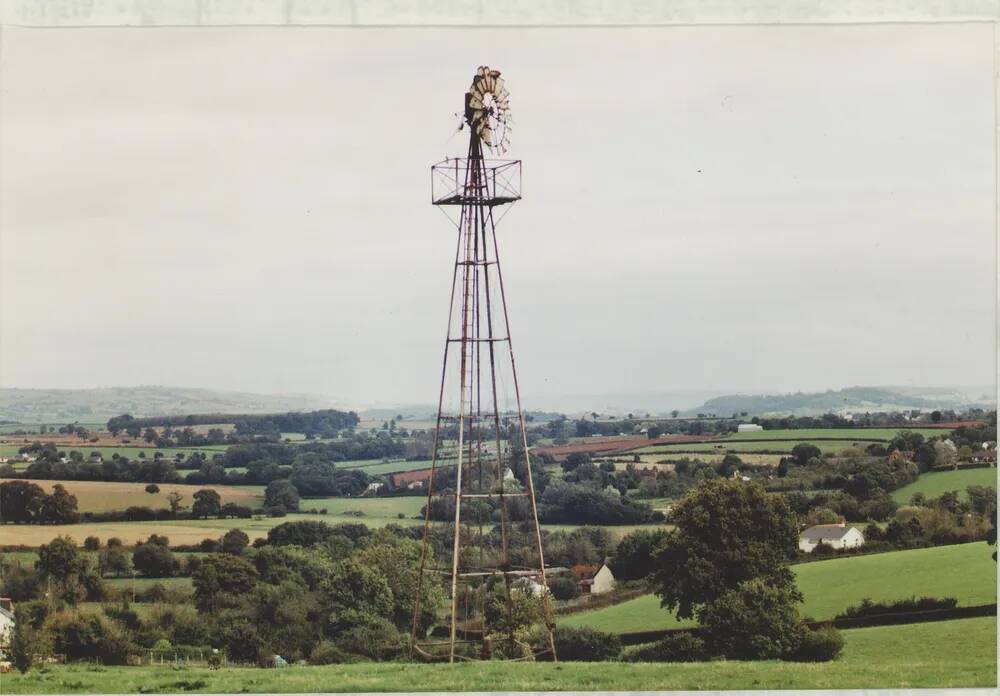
(838,536)
(603,581)
(6,622)
(748,428)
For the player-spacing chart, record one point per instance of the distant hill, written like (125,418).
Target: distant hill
(851,399)
(98,405)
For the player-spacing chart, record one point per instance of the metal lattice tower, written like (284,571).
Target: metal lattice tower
(494,541)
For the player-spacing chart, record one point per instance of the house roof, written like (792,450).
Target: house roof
(825,531)
(7,612)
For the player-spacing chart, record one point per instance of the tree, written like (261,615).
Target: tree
(235,542)
(60,507)
(114,560)
(92,543)
(753,621)
(220,580)
(635,554)
(174,500)
(154,560)
(61,562)
(207,503)
(726,532)
(152,488)
(803,452)
(936,416)
(354,594)
(675,413)
(21,501)
(653,432)
(945,453)
(26,642)
(281,492)
(149,435)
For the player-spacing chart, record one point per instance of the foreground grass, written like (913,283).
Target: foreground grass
(958,653)
(935,483)
(965,571)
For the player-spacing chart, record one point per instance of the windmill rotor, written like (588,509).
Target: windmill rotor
(487,109)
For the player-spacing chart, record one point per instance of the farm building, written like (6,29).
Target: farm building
(600,582)
(748,428)
(6,621)
(838,536)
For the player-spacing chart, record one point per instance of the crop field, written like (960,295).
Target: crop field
(960,653)
(965,571)
(935,483)
(101,496)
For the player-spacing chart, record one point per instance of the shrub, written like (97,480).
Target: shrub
(275,511)
(870,608)
(756,621)
(675,647)
(820,645)
(586,644)
(88,637)
(564,588)
(327,653)
(377,640)
(152,488)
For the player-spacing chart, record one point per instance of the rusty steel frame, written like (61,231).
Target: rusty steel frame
(476,239)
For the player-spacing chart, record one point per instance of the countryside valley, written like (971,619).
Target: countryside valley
(184,552)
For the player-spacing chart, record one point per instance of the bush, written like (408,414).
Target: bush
(377,640)
(586,645)
(756,621)
(89,637)
(820,645)
(870,608)
(327,653)
(564,588)
(676,647)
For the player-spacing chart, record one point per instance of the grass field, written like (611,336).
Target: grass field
(145,583)
(101,496)
(130,452)
(867,434)
(378,511)
(935,483)
(722,446)
(959,653)
(966,572)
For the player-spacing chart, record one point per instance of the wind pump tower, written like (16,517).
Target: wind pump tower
(481,491)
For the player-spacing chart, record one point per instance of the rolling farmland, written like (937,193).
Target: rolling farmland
(935,483)
(966,572)
(101,496)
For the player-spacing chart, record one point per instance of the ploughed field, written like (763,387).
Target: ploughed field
(966,572)
(958,653)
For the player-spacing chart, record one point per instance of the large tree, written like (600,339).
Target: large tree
(726,532)
(207,503)
(283,493)
(21,501)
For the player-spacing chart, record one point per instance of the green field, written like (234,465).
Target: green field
(130,452)
(965,571)
(959,653)
(859,434)
(935,483)
(373,467)
(145,583)
(378,511)
(782,446)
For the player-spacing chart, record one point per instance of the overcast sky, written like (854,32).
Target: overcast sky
(738,209)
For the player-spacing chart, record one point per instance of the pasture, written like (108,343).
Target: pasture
(859,434)
(102,496)
(965,571)
(131,451)
(934,483)
(960,653)
(758,446)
